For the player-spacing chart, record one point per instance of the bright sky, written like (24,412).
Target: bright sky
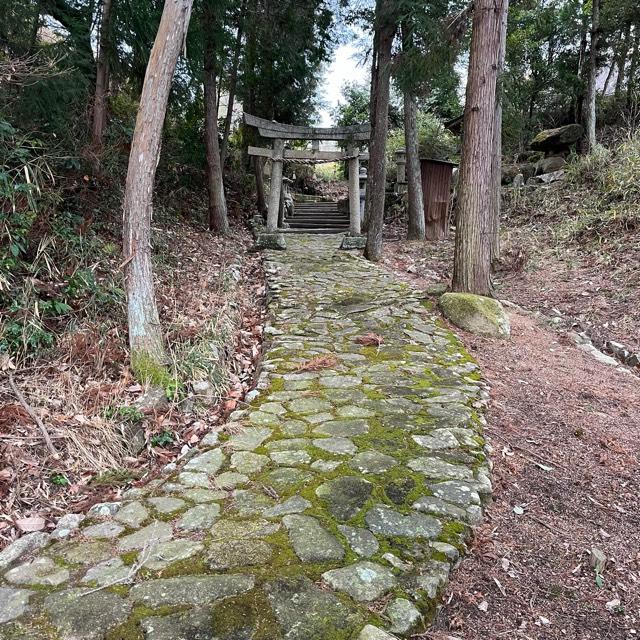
(346,66)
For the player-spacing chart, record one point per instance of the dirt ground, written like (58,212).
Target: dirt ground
(85,394)
(564,430)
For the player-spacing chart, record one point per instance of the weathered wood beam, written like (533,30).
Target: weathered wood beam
(305,154)
(277,130)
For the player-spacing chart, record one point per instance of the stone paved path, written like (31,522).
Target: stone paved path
(333,507)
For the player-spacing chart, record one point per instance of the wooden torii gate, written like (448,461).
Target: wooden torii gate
(279,133)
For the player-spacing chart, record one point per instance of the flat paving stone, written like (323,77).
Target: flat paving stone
(77,614)
(167,505)
(361,541)
(148,537)
(194,624)
(132,515)
(40,571)
(345,496)
(13,603)
(166,553)
(238,553)
(342,428)
(388,522)
(337,446)
(249,438)
(243,529)
(306,612)
(22,546)
(311,541)
(290,458)
(209,462)
(190,590)
(296,504)
(108,572)
(103,530)
(200,517)
(248,462)
(372,462)
(364,581)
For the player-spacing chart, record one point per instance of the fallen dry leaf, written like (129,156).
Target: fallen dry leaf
(369,339)
(319,362)
(27,525)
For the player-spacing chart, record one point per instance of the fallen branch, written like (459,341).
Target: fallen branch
(34,417)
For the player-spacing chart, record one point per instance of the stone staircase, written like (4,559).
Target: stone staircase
(317,217)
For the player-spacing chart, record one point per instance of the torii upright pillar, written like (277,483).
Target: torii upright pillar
(354,191)
(276,185)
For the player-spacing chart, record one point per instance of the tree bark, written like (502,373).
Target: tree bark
(102,82)
(415,202)
(589,109)
(496,166)
(145,336)
(233,83)
(218,219)
(621,60)
(472,263)
(633,69)
(384,33)
(258,169)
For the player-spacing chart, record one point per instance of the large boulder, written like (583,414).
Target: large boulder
(550,164)
(557,139)
(476,314)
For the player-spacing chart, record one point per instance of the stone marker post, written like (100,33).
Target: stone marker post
(354,191)
(277,162)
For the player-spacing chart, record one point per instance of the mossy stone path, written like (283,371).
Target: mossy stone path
(332,507)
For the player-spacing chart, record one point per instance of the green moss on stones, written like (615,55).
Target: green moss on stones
(147,369)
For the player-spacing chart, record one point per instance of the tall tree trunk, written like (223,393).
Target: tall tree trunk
(258,170)
(496,161)
(582,53)
(102,82)
(415,202)
(372,121)
(633,69)
(384,32)
(472,264)
(621,60)
(218,220)
(145,336)
(233,83)
(590,94)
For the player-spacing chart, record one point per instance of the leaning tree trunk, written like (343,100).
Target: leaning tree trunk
(496,166)
(233,83)
(218,220)
(590,94)
(145,336)
(384,33)
(416,225)
(102,82)
(472,263)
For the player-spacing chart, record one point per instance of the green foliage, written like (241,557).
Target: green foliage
(59,480)
(162,439)
(129,414)
(354,107)
(609,192)
(434,140)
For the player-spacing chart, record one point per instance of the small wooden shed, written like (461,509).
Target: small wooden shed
(436,192)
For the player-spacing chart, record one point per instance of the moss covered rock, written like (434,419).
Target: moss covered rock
(557,139)
(477,314)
